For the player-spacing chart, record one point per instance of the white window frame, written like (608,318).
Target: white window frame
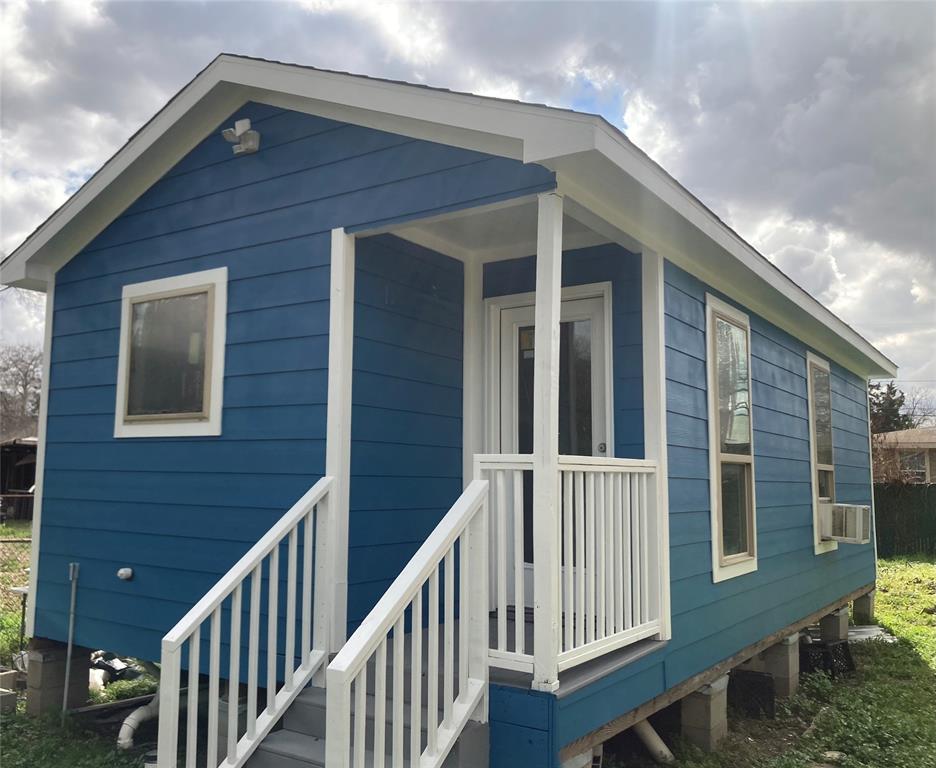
(177,285)
(735,565)
(820,546)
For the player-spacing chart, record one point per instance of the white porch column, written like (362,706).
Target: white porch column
(338,427)
(546,444)
(654,408)
(473,368)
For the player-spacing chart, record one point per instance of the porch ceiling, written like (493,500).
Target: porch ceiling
(499,232)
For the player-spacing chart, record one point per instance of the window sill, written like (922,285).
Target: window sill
(733,570)
(201,428)
(821,547)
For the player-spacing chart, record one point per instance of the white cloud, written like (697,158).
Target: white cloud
(810,127)
(648,129)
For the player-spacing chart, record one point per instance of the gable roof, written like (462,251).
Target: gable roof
(596,165)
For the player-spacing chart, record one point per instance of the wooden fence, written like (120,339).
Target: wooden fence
(905,517)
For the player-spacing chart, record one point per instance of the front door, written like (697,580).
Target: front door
(583,397)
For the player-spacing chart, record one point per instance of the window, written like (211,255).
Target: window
(734,533)
(171,362)
(913,466)
(822,460)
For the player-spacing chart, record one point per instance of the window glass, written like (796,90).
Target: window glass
(913,465)
(734,499)
(734,396)
(167,355)
(826,485)
(822,413)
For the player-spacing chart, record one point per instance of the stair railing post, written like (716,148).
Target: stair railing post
(168,735)
(478,608)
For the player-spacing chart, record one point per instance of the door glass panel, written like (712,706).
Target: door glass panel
(575,403)
(575,388)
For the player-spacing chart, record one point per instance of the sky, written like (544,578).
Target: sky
(808,127)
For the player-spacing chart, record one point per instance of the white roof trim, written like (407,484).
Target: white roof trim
(566,141)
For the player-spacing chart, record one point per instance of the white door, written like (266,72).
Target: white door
(584,424)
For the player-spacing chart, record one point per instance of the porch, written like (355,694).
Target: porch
(561,414)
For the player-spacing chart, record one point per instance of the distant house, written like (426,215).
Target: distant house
(907,454)
(17,477)
(434,422)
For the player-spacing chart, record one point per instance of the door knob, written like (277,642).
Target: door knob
(602,447)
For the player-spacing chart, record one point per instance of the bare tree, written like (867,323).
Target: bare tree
(20,383)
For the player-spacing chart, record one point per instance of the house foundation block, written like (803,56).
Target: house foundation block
(705,714)
(45,679)
(863,608)
(781,661)
(834,627)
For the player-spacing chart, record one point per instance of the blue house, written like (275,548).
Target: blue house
(403,426)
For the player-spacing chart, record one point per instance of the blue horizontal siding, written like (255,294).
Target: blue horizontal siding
(181,511)
(713,621)
(406,457)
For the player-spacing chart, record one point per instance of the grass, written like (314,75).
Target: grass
(883,715)
(27,742)
(16,529)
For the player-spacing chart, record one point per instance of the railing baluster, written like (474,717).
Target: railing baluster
(609,553)
(600,565)
(399,661)
(432,669)
(627,565)
(464,613)
(272,619)
(580,557)
(568,612)
(636,567)
(448,668)
(618,552)
(590,557)
(519,563)
(380,704)
(502,515)
(289,662)
(234,674)
(360,717)
(253,645)
(306,651)
(214,669)
(191,728)
(645,553)
(416,662)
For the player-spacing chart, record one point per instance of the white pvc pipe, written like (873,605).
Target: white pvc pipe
(654,744)
(134,719)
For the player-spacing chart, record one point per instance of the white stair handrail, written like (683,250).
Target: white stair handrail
(311,515)
(465,525)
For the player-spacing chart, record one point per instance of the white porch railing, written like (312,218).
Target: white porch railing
(374,658)
(308,519)
(610,569)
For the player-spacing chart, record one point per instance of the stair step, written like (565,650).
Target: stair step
(307,714)
(289,749)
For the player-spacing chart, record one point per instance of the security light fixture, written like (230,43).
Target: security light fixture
(245,140)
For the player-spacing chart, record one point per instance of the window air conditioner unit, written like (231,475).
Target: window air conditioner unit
(848,523)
